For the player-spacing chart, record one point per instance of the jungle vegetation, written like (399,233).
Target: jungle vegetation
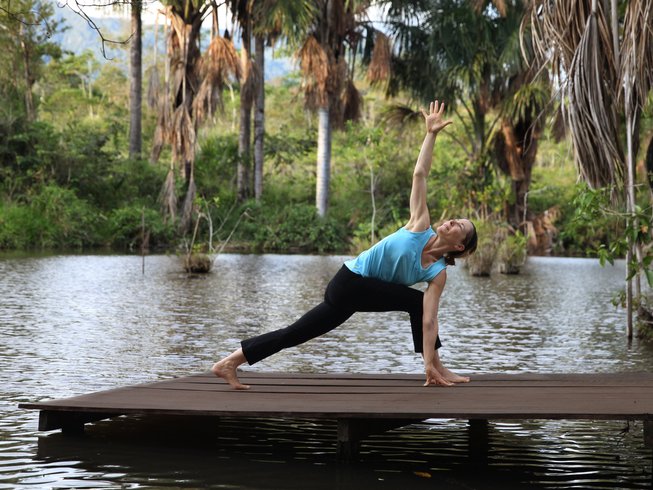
(187,144)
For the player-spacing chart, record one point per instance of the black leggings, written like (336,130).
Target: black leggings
(345,294)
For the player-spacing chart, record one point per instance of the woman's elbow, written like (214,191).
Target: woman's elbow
(429,322)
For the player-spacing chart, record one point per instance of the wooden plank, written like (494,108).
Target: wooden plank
(412,388)
(584,379)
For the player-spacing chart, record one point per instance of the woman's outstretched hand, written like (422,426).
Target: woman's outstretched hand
(434,119)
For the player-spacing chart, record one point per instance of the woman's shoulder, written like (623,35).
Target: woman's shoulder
(418,224)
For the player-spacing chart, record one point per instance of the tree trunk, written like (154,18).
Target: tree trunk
(184,47)
(259,118)
(323,161)
(245,134)
(189,201)
(29,82)
(519,149)
(136,82)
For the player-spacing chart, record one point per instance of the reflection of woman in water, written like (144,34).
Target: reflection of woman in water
(379,280)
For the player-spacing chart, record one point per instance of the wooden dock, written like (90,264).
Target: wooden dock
(364,404)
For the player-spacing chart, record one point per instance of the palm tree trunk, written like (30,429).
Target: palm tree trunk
(259,118)
(245,134)
(630,208)
(29,82)
(323,161)
(136,82)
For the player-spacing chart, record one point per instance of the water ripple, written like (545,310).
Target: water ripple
(77,324)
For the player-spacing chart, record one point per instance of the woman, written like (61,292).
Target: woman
(379,280)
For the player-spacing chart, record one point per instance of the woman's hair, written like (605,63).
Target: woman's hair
(470,242)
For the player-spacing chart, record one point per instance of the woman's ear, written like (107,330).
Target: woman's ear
(460,247)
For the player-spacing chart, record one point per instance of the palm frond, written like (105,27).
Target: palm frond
(314,65)
(352,102)
(218,65)
(578,45)
(153,86)
(379,68)
(400,115)
(636,58)
(591,111)
(183,136)
(168,197)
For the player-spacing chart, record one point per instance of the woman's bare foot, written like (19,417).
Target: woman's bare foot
(227,369)
(451,376)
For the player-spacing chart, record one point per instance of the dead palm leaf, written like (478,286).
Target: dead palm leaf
(400,115)
(379,69)
(218,65)
(591,111)
(351,102)
(183,135)
(636,67)
(314,65)
(153,86)
(168,197)
(577,43)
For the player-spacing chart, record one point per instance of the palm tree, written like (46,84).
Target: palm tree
(327,80)
(193,92)
(136,80)
(603,60)
(468,54)
(242,12)
(273,19)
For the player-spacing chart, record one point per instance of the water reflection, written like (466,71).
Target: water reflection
(76,324)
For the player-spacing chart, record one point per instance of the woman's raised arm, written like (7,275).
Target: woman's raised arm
(419,213)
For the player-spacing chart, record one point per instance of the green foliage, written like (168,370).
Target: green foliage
(28,153)
(511,253)
(54,218)
(480,263)
(593,223)
(215,167)
(26,30)
(592,204)
(123,228)
(295,228)
(65,181)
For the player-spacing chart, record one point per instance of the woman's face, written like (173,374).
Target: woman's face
(455,231)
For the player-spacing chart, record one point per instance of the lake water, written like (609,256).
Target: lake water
(71,325)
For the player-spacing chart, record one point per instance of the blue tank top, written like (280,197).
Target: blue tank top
(398,259)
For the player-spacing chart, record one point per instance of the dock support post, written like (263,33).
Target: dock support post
(479,442)
(648,442)
(348,440)
(352,430)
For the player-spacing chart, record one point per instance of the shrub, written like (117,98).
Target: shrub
(53,218)
(511,253)
(295,228)
(123,228)
(480,262)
